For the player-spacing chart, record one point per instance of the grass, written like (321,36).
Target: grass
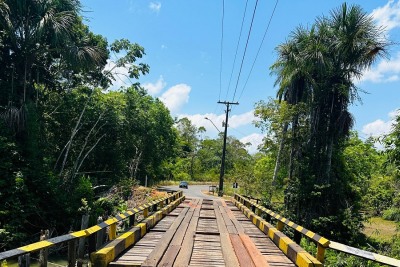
(380,229)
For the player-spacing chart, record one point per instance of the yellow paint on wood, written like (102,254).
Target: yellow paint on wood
(310,234)
(261,226)
(280,225)
(103,257)
(271,232)
(36,246)
(122,216)
(302,260)
(299,228)
(323,241)
(135,210)
(93,229)
(129,238)
(81,233)
(111,221)
(112,234)
(129,212)
(255,219)
(284,243)
(143,229)
(320,253)
(290,223)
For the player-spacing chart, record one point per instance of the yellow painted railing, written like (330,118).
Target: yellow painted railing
(91,232)
(322,243)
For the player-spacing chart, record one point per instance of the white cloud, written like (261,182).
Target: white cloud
(120,74)
(377,128)
(235,121)
(215,121)
(255,139)
(176,96)
(155,6)
(388,16)
(385,71)
(380,127)
(199,121)
(155,88)
(243,119)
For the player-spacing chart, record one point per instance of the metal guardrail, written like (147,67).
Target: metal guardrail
(322,243)
(73,237)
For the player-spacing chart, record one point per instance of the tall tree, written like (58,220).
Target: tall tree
(315,71)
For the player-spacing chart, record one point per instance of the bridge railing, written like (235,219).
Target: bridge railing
(94,233)
(322,243)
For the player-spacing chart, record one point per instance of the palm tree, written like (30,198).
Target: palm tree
(39,37)
(316,69)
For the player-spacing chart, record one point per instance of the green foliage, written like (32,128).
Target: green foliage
(392,214)
(380,194)
(327,173)
(63,138)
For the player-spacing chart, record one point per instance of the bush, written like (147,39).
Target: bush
(392,214)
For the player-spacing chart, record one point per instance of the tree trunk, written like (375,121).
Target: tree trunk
(278,157)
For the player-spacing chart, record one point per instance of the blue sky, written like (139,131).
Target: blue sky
(182,40)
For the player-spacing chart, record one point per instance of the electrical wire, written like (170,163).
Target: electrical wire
(245,49)
(222,42)
(255,59)
(237,49)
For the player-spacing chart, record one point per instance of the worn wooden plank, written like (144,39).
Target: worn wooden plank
(228,215)
(240,250)
(226,245)
(155,256)
(207,251)
(254,253)
(176,244)
(185,252)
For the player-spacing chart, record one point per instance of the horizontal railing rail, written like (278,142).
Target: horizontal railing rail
(73,237)
(322,242)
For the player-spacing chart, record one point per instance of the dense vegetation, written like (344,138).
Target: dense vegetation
(64,137)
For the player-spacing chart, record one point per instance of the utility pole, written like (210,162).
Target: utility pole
(221,175)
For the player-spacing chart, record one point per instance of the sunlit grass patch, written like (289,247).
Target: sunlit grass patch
(380,229)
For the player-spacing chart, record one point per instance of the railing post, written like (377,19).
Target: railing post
(320,253)
(297,237)
(99,234)
(44,234)
(112,234)
(81,248)
(132,220)
(258,212)
(253,208)
(24,260)
(72,253)
(146,212)
(268,217)
(279,226)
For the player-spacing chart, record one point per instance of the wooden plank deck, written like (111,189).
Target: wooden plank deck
(204,232)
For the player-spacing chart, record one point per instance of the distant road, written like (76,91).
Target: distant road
(194,191)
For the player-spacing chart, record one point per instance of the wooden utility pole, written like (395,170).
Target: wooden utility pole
(221,175)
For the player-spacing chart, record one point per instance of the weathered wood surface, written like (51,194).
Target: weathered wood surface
(202,232)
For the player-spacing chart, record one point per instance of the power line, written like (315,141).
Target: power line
(237,48)
(245,49)
(255,59)
(222,41)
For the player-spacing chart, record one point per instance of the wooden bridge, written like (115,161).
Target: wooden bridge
(180,231)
